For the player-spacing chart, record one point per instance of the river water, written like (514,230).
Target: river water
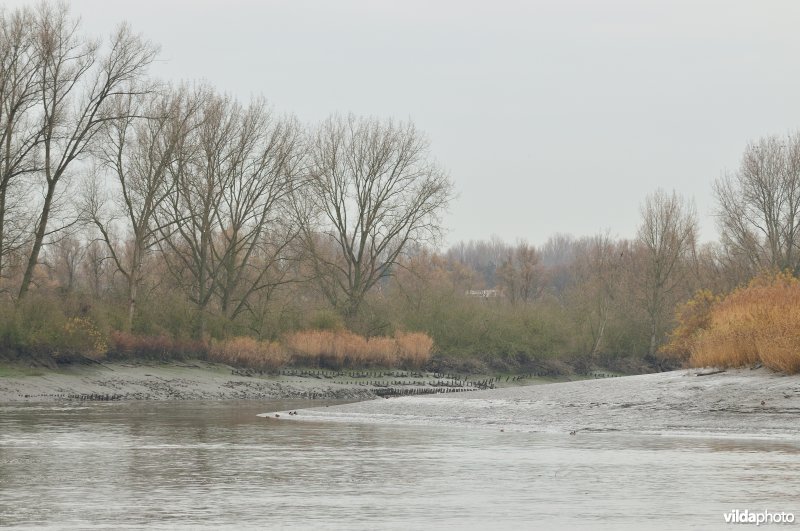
(211,465)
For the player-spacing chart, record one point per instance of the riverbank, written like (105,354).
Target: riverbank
(200,380)
(752,401)
(735,402)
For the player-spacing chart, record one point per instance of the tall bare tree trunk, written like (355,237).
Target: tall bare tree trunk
(41,229)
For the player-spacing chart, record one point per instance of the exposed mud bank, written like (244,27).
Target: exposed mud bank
(198,380)
(180,381)
(740,402)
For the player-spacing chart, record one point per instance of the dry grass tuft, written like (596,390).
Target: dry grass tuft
(310,348)
(692,317)
(759,323)
(129,346)
(248,352)
(337,349)
(414,348)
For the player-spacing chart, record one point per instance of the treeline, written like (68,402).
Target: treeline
(145,219)
(131,205)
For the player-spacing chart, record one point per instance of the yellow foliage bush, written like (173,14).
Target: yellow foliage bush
(758,323)
(79,335)
(693,316)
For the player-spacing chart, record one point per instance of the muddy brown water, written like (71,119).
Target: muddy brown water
(212,465)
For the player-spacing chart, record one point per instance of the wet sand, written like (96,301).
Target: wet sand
(193,380)
(739,403)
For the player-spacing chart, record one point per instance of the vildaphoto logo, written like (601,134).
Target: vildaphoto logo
(752,517)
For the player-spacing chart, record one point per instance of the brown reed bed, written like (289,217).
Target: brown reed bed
(248,352)
(308,348)
(341,348)
(758,323)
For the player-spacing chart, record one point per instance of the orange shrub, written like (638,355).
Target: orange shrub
(692,317)
(248,352)
(414,349)
(758,323)
(337,349)
(314,348)
(382,351)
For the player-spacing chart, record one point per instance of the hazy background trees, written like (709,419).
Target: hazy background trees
(519,274)
(597,273)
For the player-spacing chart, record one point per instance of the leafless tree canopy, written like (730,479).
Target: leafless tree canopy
(520,273)
(136,153)
(668,236)
(229,203)
(373,190)
(759,206)
(58,90)
(597,277)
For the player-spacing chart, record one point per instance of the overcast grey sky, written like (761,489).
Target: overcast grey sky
(556,116)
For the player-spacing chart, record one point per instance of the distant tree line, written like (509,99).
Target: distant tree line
(153,209)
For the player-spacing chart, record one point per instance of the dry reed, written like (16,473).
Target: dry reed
(759,323)
(337,349)
(128,346)
(248,352)
(309,348)
(414,348)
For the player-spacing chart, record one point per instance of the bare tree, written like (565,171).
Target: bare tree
(597,272)
(65,257)
(137,149)
(759,206)
(94,268)
(20,130)
(482,256)
(667,237)
(225,226)
(556,255)
(78,86)
(373,191)
(520,274)
(255,213)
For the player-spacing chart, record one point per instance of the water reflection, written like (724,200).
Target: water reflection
(211,465)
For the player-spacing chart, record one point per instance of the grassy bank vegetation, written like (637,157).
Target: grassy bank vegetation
(310,348)
(448,310)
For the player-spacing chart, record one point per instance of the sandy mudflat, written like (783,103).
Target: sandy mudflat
(738,402)
(741,402)
(193,380)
